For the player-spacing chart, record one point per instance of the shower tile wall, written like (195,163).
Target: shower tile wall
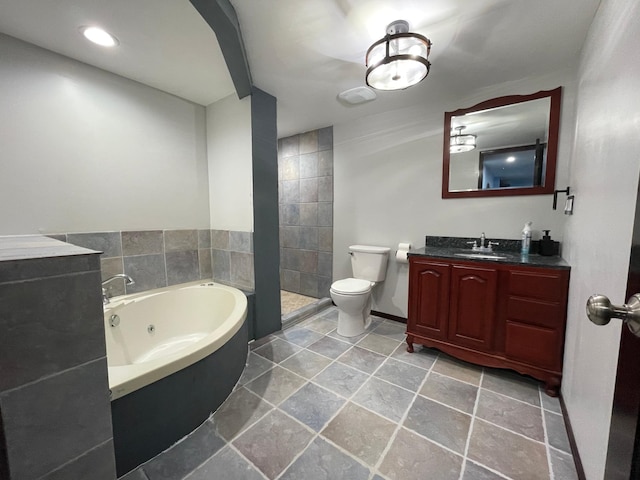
(305,181)
(159,258)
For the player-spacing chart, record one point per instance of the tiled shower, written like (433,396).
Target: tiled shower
(305,181)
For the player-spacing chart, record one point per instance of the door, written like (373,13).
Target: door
(428,299)
(623,451)
(472,306)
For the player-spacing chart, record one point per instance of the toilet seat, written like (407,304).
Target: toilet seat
(351,286)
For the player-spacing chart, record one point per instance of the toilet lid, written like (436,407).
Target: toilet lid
(351,286)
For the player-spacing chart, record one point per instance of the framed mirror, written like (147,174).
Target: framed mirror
(503,146)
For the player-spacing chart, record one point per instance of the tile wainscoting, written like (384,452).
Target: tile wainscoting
(159,258)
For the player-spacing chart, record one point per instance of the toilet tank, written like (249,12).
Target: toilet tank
(369,262)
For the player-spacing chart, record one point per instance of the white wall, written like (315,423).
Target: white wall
(388,177)
(604,175)
(230,164)
(85,150)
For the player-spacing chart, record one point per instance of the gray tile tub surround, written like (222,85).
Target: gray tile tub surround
(54,401)
(153,258)
(232,258)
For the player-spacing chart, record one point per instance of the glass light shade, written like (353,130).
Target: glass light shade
(398,61)
(462,143)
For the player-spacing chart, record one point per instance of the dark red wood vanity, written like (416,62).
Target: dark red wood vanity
(491,314)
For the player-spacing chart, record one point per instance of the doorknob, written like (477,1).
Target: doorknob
(600,311)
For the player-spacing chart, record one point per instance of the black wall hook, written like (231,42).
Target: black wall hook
(555,196)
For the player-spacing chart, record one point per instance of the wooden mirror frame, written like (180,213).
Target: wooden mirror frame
(552,146)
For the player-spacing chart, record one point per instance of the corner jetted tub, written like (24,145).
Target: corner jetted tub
(174,355)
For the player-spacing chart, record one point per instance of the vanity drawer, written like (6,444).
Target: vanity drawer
(546,285)
(535,312)
(534,345)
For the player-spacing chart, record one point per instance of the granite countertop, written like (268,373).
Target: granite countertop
(511,258)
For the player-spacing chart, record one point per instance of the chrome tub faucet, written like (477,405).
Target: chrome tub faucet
(127,281)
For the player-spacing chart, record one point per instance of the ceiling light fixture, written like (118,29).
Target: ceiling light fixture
(511,159)
(399,60)
(460,142)
(99,36)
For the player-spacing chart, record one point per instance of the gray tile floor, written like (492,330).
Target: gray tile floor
(312,405)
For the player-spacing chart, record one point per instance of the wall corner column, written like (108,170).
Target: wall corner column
(264,142)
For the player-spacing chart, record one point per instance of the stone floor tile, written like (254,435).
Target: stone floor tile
(330,314)
(300,336)
(273,442)
(512,384)
(277,350)
(351,340)
(329,347)
(450,391)
(313,405)
(557,432)
(276,385)
(473,471)
(320,324)
(186,455)
(452,367)
(341,379)
(414,458)
(261,341)
(361,359)
(402,374)
(360,432)
(563,466)
(306,364)
(439,423)
(551,403)
(322,461)
(256,366)
(390,329)
(239,411)
(227,464)
(383,398)
(422,357)
(517,416)
(508,453)
(379,344)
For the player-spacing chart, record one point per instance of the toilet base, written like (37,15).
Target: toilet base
(352,325)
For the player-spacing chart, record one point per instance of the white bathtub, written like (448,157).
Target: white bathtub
(165,330)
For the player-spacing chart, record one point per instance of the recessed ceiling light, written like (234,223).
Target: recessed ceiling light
(511,159)
(99,36)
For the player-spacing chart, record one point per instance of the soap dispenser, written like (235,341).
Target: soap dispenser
(547,246)
(526,239)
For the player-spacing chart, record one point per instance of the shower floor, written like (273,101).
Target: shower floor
(290,302)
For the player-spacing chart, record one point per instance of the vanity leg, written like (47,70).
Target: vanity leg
(552,386)
(409,344)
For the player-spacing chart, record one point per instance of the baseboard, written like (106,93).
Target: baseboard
(572,441)
(388,316)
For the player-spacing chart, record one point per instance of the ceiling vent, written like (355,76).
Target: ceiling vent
(356,96)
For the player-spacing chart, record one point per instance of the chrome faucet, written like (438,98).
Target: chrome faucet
(127,281)
(484,245)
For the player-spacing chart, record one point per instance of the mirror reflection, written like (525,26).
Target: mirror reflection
(504,146)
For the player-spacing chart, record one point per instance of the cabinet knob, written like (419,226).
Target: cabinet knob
(600,311)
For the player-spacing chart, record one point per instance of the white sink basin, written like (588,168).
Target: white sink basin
(482,256)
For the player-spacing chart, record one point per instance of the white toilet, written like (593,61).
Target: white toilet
(352,296)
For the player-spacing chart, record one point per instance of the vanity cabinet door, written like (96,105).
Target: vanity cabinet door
(428,298)
(472,306)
